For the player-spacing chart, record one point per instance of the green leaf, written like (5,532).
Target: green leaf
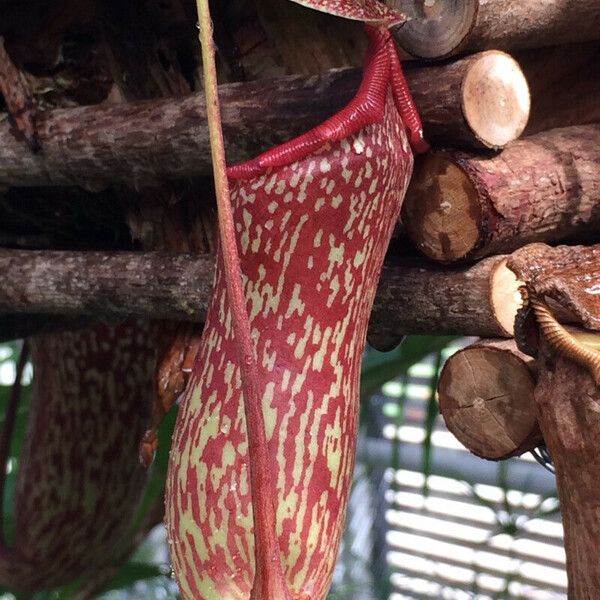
(131,573)
(430,418)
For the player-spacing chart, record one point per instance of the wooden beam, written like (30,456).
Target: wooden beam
(567,399)
(440,28)
(486,398)
(541,188)
(414,297)
(141,142)
(106,285)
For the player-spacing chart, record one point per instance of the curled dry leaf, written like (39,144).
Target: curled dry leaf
(562,284)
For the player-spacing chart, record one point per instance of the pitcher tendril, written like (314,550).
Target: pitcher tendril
(563,342)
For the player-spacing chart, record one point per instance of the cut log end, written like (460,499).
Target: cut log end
(505,296)
(436,28)
(495,98)
(466,206)
(486,398)
(442,210)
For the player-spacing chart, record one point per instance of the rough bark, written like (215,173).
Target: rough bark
(567,275)
(156,285)
(568,403)
(421,298)
(442,27)
(413,297)
(543,188)
(486,398)
(139,143)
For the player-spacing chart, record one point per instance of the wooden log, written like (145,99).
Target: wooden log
(413,297)
(567,399)
(564,80)
(485,96)
(140,142)
(439,28)
(420,298)
(486,399)
(542,188)
(101,285)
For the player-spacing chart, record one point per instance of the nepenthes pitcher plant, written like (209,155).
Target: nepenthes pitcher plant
(264,446)
(79,481)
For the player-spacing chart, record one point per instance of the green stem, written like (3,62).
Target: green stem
(269,582)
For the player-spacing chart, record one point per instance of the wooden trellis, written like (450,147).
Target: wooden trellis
(101,108)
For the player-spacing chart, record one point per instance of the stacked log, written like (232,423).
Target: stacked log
(542,188)
(486,397)
(504,397)
(138,143)
(438,28)
(481,299)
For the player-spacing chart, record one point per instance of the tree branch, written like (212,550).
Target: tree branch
(413,296)
(140,142)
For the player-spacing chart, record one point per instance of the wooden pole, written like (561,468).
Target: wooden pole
(568,390)
(486,398)
(413,297)
(106,286)
(140,142)
(420,298)
(567,399)
(542,188)
(439,28)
